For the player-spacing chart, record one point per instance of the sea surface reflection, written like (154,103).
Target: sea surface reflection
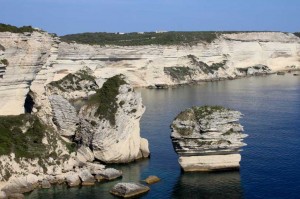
(208,185)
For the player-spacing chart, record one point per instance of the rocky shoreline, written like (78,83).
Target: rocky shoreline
(166,86)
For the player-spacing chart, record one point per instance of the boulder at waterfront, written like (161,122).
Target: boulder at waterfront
(208,138)
(127,190)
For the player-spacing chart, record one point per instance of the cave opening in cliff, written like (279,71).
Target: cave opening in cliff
(29,103)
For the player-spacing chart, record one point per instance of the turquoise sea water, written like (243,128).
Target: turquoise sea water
(270,161)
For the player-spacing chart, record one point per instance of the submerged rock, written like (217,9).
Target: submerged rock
(208,138)
(16,196)
(152,179)
(127,190)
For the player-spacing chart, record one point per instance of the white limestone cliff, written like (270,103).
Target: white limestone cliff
(36,59)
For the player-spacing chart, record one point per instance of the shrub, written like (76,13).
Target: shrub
(4,61)
(178,72)
(14,29)
(148,38)
(12,139)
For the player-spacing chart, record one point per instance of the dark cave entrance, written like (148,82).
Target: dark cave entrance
(29,103)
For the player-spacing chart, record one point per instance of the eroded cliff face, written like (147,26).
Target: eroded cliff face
(29,61)
(225,57)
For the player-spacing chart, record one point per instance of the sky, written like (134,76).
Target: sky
(77,16)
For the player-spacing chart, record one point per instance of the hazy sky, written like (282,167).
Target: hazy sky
(74,16)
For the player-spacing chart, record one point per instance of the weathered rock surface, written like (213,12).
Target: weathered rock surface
(208,138)
(72,179)
(38,58)
(108,174)
(26,54)
(21,185)
(116,131)
(64,115)
(152,179)
(127,190)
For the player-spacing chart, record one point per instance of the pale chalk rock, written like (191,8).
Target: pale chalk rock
(64,115)
(210,162)
(26,55)
(21,184)
(145,152)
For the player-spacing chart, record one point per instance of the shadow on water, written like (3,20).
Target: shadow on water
(208,185)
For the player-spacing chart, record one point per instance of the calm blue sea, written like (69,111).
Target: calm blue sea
(270,166)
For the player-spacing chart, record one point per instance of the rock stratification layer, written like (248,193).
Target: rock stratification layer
(208,138)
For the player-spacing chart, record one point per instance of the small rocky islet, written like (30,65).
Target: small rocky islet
(208,138)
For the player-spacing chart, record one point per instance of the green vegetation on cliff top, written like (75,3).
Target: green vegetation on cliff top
(14,29)
(297,34)
(147,38)
(105,99)
(203,111)
(4,61)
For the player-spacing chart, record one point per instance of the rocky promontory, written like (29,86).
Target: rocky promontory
(208,138)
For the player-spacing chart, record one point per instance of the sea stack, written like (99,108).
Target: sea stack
(208,138)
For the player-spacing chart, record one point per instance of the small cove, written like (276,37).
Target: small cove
(271,108)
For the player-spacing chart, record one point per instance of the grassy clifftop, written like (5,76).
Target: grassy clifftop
(136,39)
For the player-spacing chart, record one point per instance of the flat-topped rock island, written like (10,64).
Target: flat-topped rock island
(208,138)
